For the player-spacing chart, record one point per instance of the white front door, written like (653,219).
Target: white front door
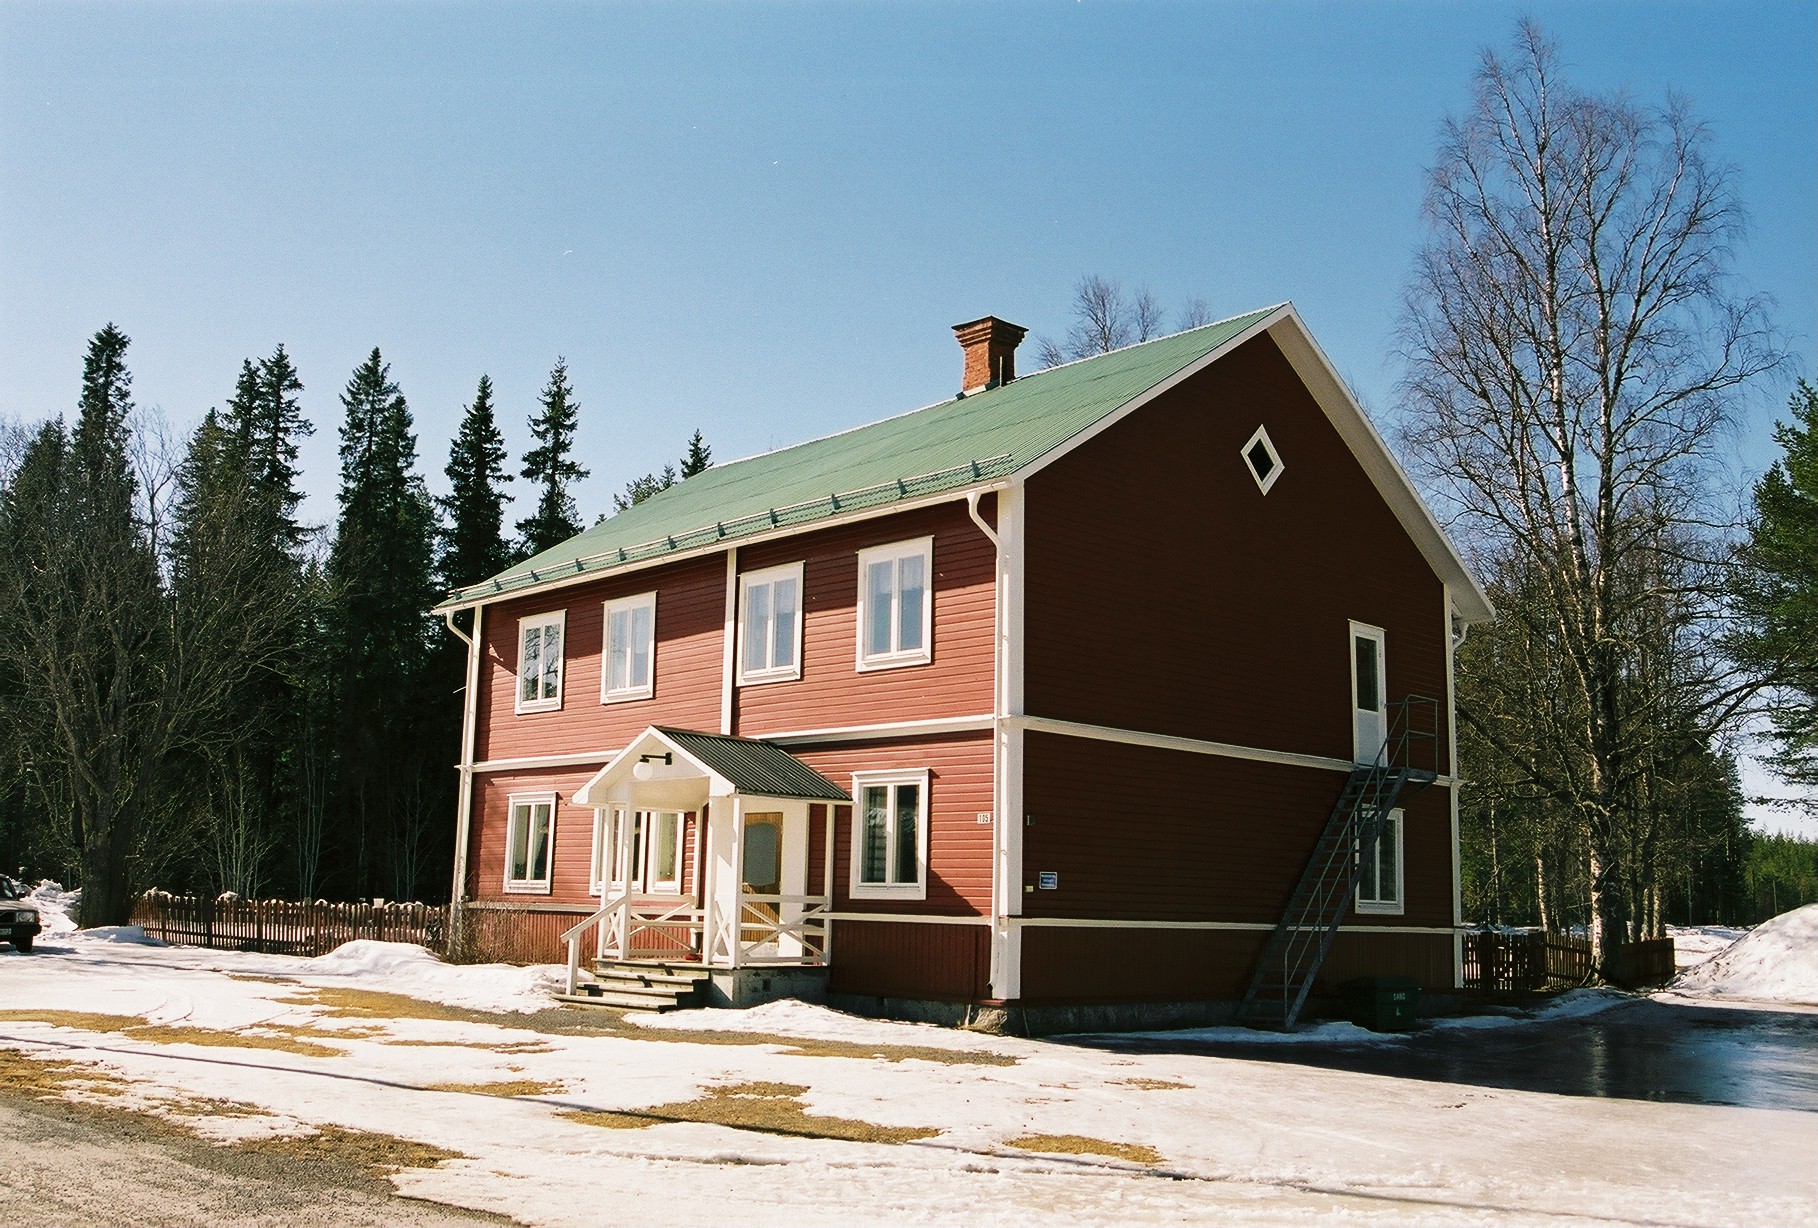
(1369,697)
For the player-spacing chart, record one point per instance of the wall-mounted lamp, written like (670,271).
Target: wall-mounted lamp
(643,769)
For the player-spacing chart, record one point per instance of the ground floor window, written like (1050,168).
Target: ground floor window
(647,843)
(890,836)
(530,842)
(1379,880)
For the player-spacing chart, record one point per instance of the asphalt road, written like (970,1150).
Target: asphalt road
(73,1166)
(1756,1057)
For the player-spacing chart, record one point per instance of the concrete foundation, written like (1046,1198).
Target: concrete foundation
(752,986)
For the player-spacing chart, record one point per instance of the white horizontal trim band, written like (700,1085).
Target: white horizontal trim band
(587,759)
(891,729)
(1193,746)
(1260,927)
(911,918)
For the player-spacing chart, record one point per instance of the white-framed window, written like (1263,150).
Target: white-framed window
(770,624)
(653,852)
(630,667)
(540,662)
(530,843)
(895,604)
(1261,459)
(890,835)
(1379,880)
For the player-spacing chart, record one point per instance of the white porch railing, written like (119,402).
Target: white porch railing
(627,928)
(774,929)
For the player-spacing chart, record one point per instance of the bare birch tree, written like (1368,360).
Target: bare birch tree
(1575,348)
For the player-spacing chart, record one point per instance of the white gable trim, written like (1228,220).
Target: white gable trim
(1391,481)
(597,791)
(1347,417)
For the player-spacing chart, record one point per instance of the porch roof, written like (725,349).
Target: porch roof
(755,767)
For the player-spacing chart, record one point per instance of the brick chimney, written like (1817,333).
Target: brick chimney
(990,346)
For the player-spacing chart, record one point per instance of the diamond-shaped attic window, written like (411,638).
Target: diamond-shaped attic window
(1263,461)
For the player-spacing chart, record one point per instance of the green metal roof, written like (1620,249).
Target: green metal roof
(956,444)
(756,768)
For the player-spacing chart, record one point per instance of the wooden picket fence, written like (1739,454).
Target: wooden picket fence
(1534,961)
(285,927)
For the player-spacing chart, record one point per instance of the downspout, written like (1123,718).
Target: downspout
(999,659)
(464,803)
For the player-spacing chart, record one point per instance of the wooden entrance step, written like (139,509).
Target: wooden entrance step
(640,986)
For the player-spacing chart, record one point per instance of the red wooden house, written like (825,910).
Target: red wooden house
(1079,694)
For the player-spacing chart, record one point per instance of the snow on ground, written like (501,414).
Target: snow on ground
(245,1046)
(1693,944)
(1777,961)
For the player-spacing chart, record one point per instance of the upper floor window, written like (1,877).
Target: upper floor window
(630,649)
(530,842)
(895,615)
(770,625)
(1379,881)
(890,842)
(540,662)
(1261,458)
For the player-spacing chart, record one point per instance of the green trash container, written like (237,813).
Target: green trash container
(1382,1003)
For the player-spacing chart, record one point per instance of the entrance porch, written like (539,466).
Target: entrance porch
(701,860)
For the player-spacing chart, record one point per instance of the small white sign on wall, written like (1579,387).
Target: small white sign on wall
(984,817)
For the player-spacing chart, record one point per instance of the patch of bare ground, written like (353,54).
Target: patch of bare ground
(370,1152)
(766,1108)
(1153,1085)
(507,1047)
(281,1037)
(507,1088)
(797,1046)
(35,1077)
(343,1002)
(1081,1145)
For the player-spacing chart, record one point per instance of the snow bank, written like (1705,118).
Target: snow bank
(790,1017)
(405,968)
(55,907)
(1777,961)
(1693,944)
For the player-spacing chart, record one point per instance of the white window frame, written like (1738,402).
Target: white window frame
(528,802)
(897,657)
(627,605)
(917,890)
(540,622)
(605,850)
(757,579)
(1261,436)
(639,848)
(1393,829)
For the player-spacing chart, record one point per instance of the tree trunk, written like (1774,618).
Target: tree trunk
(1540,889)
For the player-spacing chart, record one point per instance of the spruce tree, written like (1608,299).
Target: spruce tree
(473,546)
(1776,591)
(380,570)
(266,420)
(699,456)
(548,466)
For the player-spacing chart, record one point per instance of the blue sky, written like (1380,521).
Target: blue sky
(760,219)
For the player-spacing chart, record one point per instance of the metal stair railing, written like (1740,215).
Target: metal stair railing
(1298,946)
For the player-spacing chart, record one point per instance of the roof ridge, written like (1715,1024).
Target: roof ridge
(1179,332)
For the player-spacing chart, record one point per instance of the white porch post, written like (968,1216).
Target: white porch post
(827,888)
(736,888)
(622,860)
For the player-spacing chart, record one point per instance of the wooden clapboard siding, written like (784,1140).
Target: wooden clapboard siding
(1146,833)
(690,630)
(1166,593)
(897,959)
(1104,965)
(959,846)
(832,692)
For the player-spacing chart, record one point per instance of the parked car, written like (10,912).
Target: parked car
(18,916)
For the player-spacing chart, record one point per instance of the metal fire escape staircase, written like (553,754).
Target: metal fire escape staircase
(1295,951)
